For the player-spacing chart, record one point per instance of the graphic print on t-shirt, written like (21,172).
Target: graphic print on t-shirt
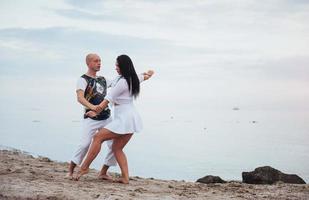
(100,88)
(94,93)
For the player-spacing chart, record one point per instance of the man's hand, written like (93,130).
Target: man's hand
(94,107)
(91,114)
(99,109)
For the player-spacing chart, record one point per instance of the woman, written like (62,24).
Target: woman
(126,119)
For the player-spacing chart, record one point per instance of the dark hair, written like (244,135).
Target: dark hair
(127,70)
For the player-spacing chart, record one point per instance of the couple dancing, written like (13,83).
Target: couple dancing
(98,126)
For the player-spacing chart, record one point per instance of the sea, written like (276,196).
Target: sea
(193,125)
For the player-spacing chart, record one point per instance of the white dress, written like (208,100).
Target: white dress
(125,116)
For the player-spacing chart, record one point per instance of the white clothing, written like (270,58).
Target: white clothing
(119,93)
(125,116)
(89,128)
(125,119)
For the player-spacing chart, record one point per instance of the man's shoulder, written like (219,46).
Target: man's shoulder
(86,78)
(82,78)
(81,83)
(101,77)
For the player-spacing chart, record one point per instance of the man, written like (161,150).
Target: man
(91,90)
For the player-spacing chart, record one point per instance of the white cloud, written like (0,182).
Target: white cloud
(267,27)
(201,33)
(27,48)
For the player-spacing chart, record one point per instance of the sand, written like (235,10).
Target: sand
(23,176)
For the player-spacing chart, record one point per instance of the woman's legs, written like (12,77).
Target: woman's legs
(118,145)
(94,149)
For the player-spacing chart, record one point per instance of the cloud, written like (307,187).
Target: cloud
(239,26)
(212,35)
(243,25)
(29,49)
(86,15)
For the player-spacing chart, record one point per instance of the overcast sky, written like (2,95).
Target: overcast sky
(261,43)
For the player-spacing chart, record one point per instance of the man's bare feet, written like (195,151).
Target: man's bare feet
(68,176)
(122,180)
(80,173)
(105,177)
(103,173)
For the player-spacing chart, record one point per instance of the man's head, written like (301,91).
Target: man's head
(93,62)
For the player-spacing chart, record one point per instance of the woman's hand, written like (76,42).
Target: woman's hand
(91,113)
(95,107)
(148,74)
(102,106)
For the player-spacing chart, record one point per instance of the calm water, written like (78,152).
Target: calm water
(190,129)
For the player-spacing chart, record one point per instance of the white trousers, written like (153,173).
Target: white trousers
(89,128)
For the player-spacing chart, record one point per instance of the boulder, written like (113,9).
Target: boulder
(269,175)
(210,179)
(44,159)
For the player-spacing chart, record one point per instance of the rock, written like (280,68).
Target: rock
(211,179)
(44,159)
(140,190)
(95,196)
(29,156)
(269,175)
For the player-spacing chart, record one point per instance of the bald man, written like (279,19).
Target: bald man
(91,90)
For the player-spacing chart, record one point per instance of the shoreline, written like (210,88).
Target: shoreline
(23,176)
(2,147)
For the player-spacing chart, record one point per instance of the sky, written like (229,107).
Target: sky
(249,48)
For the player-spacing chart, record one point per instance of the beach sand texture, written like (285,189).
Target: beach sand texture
(23,176)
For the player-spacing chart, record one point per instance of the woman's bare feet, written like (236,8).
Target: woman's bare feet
(80,173)
(122,180)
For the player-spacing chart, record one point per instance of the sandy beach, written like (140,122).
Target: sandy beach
(23,176)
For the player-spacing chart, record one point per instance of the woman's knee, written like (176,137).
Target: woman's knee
(98,138)
(103,135)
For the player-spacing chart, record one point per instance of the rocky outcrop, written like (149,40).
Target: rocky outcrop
(269,175)
(211,179)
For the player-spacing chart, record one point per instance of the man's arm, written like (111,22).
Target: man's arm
(100,108)
(81,99)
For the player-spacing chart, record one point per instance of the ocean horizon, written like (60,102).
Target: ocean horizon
(180,140)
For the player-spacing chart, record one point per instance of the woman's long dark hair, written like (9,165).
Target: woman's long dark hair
(127,70)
